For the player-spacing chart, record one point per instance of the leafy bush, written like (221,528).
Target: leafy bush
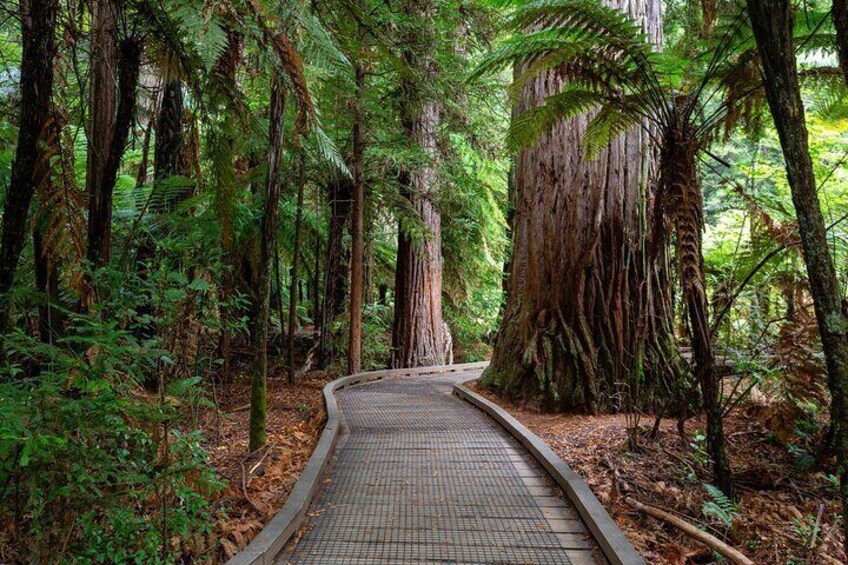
(92,464)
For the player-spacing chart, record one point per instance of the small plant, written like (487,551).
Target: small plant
(807,529)
(719,506)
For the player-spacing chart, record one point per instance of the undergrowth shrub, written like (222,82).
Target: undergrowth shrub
(93,466)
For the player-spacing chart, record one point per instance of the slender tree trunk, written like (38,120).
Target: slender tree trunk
(354,351)
(223,139)
(141,173)
(418,330)
(50,320)
(38,30)
(586,323)
(336,266)
(267,244)
(773,23)
(101,129)
(839,14)
(293,287)
(109,126)
(316,277)
(679,167)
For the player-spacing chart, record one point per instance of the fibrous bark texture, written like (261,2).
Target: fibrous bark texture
(339,194)
(38,29)
(418,330)
(587,316)
(773,22)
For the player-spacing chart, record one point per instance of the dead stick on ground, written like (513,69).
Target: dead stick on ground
(711,541)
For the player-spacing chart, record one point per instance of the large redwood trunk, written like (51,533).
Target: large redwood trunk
(587,318)
(38,30)
(418,332)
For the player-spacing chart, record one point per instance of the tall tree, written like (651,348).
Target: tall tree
(587,305)
(772,22)
(839,14)
(418,331)
(294,287)
(115,67)
(267,244)
(38,31)
(339,194)
(357,257)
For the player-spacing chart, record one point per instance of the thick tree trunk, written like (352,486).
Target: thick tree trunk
(587,318)
(337,262)
(357,258)
(418,331)
(38,30)
(773,22)
(267,244)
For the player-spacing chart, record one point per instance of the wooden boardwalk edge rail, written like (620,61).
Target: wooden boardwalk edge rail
(274,536)
(616,547)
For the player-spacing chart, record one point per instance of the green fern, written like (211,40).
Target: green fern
(719,506)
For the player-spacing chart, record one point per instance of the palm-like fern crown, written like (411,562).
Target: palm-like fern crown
(607,63)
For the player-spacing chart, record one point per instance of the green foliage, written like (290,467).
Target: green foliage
(91,464)
(719,506)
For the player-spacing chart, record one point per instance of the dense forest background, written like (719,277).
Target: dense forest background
(200,198)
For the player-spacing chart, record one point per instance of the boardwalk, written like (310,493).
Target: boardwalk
(423,476)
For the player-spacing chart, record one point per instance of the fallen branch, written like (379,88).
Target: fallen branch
(707,539)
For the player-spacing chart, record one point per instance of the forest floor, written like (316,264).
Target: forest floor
(259,483)
(777,512)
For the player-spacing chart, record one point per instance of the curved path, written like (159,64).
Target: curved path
(422,476)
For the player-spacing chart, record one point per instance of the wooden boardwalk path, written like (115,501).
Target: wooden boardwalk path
(422,476)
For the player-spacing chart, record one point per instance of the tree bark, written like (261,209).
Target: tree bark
(354,351)
(418,330)
(337,262)
(38,31)
(681,182)
(587,320)
(268,242)
(773,22)
(294,286)
(839,15)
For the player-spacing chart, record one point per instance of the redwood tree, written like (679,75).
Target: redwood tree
(418,330)
(587,305)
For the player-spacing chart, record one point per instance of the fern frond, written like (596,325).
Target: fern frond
(535,122)
(611,121)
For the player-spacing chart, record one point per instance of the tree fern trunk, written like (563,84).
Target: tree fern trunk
(586,323)
(682,186)
(101,132)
